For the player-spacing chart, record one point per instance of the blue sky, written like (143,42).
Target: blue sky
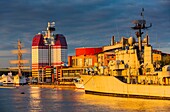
(85,23)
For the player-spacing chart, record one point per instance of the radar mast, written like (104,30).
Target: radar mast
(139,25)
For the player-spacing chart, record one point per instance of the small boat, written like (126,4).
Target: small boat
(79,83)
(12,80)
(6,79)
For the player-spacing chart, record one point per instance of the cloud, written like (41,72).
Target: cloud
(5,53)
(84,23)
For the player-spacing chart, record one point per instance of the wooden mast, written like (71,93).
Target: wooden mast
(20,62)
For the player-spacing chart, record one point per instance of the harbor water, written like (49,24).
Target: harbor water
(35,99)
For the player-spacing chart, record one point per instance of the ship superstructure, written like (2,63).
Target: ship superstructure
(49,50)
(132,72)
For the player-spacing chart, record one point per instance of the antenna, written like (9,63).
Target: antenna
(157,43)
(118,32)
(142,13)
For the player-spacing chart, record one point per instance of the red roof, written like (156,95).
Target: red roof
(60,41)
(88,51)
(38,40)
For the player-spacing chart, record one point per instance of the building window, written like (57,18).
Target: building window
(88,62)
(73,62)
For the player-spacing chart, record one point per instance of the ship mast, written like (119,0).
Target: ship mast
(19,61)
(140,25)
(19,58)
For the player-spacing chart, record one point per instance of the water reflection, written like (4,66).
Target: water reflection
(35,99)
(124,104)
(70,100)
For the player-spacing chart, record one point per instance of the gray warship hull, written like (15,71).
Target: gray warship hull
(111,86)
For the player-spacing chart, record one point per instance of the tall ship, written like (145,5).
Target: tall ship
(132,72)
(19,78)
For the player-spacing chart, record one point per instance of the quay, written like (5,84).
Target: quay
(52,86)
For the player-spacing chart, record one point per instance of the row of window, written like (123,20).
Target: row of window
(79,62)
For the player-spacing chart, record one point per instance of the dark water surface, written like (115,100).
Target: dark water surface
(69,100)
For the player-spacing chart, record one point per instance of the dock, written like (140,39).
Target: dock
(52,86)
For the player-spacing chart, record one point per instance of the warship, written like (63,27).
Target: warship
(132,73)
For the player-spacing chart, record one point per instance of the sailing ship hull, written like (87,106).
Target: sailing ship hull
(109,85)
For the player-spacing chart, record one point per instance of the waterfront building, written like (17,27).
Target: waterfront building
(48,49)
(157,55)
(84,61)
(85,57)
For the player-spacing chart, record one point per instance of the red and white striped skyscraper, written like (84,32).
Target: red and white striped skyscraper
(48,49)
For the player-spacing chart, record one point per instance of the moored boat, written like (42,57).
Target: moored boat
(9,80)
(78,83)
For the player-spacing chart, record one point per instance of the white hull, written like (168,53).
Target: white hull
(79,86)
(111,85)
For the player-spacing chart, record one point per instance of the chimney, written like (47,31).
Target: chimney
(112,40)
(147,40)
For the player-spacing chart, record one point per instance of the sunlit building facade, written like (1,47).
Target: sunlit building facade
(48,50)
(84,57)
(157,55)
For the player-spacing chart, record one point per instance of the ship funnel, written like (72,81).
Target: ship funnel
(146,39)
(112,40)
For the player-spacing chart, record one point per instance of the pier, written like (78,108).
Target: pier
(52,86)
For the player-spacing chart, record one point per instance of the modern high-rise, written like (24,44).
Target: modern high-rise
(48,50)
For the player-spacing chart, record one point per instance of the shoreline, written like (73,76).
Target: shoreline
(52,86)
